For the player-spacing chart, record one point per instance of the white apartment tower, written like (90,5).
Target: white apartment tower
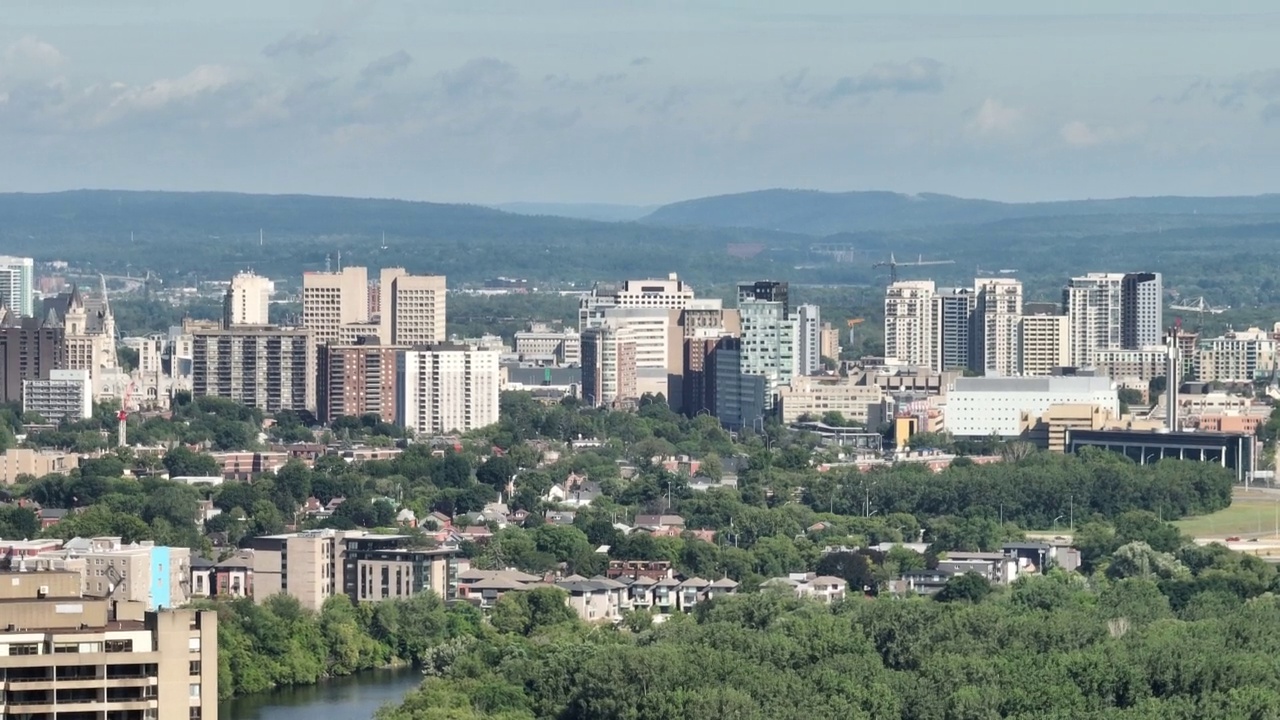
(671,293)
(411,308)
(910,323)
(247,301)
(16,279)
(447,388)
(808,351)
(331,300)
(996,316)
(1112,311)
(1142,310)
(768,343)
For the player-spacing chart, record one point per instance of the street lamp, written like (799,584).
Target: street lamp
(1055,522)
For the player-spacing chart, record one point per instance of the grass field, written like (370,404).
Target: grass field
(1244,517)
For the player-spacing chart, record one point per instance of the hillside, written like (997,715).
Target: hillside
(822,213)
(212,235)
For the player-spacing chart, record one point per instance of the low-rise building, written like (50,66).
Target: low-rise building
(157,576)
(986,406)
(64,395)
(16,462)
(817,395)
(823,588)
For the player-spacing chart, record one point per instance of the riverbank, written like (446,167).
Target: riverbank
(352,697)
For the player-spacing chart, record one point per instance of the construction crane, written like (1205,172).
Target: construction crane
(1200,306)
(853,323)
(123,416)
(893,264)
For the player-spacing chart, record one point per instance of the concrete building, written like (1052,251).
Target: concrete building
(953,313)
(980,406)
(817,395)
(66,395)
(808,351)
(16,279)
(247,300)
(996,317)
(740,400)
(655,334)
(1141,310)
(153,575)
(1236,356)
(909,323)
(315,565)
(66,656)
(333,299)
(542,343)
(1233,452)
(830,341)
(671,293)
(412,308)
(1044,343)
(609,366)
(1111,311)
(447,388)
(698,326)
(358,380)
(769,341)
(30,349)
(16,462)
(1132,367)
(269,368)
(766,291)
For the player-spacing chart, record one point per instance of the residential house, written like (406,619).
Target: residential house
(201,577)
(485,587)
(655,522)
(233,577)
(407,518)
(823,588)
(652,569)
(576,495)
(559,517)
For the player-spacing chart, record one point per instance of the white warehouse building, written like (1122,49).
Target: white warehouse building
(982,406)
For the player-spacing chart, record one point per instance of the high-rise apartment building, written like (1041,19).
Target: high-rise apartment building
(769,343)
(358,380)
(740,398)
(65,395)
(910,322)
(247,300)
(1044,343)
(412,308)
(1142,310)
(953,348)
(830,341)
(655,334)
(447,388)
(1111,311)
(808,353)
(63,655)
(30,349)
(269,368)
(996,316)
(609,366)
(16,292)
(333,299)
(1240,356)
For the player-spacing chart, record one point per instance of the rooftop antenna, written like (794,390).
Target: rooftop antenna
(327,258)
(339,261)
(259,237)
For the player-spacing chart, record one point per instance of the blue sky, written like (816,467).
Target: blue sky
(641,102)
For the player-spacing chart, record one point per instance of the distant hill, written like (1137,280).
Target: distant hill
(824,213)
(580,211)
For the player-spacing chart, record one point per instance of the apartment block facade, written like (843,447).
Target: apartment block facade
(412,308)
(65,395)
(247,300)
(609,366)
(269,368)
(331,300)
(447,388)
(1044,343)
(358,380)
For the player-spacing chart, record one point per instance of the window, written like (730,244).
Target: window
(194,667)
(195,713)
(119,646)
(194,689)
(24,649)
(193,644)
(66,647)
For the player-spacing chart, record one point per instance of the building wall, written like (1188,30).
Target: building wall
(998,311)
(66,395)
(909,323)
(447,388)
(357,380)
(29,351)
(267,368)
(16,274)
(768,343)
(1144,364)
(247,300)
(953,310)
(1142,310)
(808,351)
(26,461)
(333,299)
(816,396)
(609,366)
(979,407)
(413,308)
(1094,304)
(1044,343)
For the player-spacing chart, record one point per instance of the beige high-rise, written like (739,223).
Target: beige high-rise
(999,308)
(910,322)
(333,299)
(247,301)
(1044,343)
(411,308)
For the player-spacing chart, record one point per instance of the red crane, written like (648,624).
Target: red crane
(123,416)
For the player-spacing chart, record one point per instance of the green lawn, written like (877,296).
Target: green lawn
(1248,517)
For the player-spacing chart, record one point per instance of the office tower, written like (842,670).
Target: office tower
(768,343)
(953,310)
(1044,343)
(247,300)
(698,391)
(30,349)
(71,656)
(358,380)
(996,315)
(671,293)
(698,326)
(808,353)
(1093,304)
(609,366)
(740,398)
(1142,310)
(331,300)
(910,322)
(447,388)
(65,395)
(263,367)
(16,291)
(412,308)
(766,291)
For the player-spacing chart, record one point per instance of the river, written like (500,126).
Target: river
(356,697)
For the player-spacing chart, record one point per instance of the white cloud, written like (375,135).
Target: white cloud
(31,59)
(204,79)
(1079,134)
(995,118)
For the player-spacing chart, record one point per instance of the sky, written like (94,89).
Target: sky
(623,101)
